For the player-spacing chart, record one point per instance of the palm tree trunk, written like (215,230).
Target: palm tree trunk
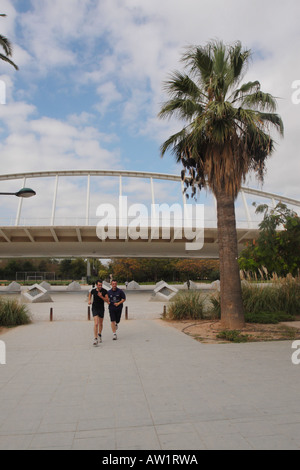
(232,310)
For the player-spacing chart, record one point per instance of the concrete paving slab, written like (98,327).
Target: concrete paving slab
(154,388)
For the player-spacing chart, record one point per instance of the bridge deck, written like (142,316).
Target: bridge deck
(83,242)
(19,237)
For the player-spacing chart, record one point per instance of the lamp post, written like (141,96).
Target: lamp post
(24,193)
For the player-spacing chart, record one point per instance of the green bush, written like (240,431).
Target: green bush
(234,336)
(268,304)
(281,296)
(215,311)
(13,313)
(186,306)
(289,295)
(273,303)
(268,317)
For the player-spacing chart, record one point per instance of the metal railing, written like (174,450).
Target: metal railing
(53,220)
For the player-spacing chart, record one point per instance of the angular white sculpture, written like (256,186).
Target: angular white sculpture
(13,287)
(216,285)
(133,286)
(193,285)
(74,287)
(164,292)
(106,285)
(45,285)
(160,283)
(36,294)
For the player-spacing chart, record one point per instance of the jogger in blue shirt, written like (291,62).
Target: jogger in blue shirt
(117,298)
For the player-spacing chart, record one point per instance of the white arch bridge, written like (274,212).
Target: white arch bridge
(62,220)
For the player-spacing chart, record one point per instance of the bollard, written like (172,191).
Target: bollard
(165,312)
(89,313)
(126,313)
(51,314)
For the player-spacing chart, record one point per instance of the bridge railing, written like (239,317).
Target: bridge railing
(93,222)
(245,217)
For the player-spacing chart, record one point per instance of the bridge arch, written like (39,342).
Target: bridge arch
(43,230)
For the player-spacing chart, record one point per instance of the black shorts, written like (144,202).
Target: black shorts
(115,314)
(98,311)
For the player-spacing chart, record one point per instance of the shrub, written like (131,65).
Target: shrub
(263,303)
(186,306)
(234,336)
(13,313)
(268,317)
(289,295)
(215,311)
(282,296)
(267,303)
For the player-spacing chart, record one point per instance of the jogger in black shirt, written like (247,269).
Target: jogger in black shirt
(99,297)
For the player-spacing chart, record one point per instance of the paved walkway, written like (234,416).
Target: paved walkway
(153,389)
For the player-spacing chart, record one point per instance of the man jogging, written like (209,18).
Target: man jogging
(99,297)
(117,298)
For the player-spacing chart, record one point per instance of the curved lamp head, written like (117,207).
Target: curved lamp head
(25,192)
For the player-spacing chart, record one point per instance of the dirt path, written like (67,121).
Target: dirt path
(207,331)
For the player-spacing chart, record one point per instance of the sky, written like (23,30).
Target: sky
(91,74)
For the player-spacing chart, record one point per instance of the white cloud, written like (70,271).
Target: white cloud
(120,52)
(109,94)
(50,144)
(48,28)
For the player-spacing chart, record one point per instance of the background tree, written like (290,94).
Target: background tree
(7,49)
(198,270)
(169,270)
(100,270)
(277,247)
(65,269)
(124,269)
(73,269)
(78,268)
(12,267)
(227,134)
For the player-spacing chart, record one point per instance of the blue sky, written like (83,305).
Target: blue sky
(91,72)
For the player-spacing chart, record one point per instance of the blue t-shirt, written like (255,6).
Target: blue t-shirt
(115,296)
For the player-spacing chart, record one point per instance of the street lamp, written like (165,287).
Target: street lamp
(24,192)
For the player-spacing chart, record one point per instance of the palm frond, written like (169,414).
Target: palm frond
(244,90)
(261,101)
(6,45)
(172,142)
(180,84)
(273,119)
(183,109)
(6,59)
(239,60)
(199,60)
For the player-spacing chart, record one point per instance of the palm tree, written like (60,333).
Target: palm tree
(227,134)
(6,46)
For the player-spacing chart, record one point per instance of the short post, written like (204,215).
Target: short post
(89,313)
(126,313)
(165,312)
(51,314)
